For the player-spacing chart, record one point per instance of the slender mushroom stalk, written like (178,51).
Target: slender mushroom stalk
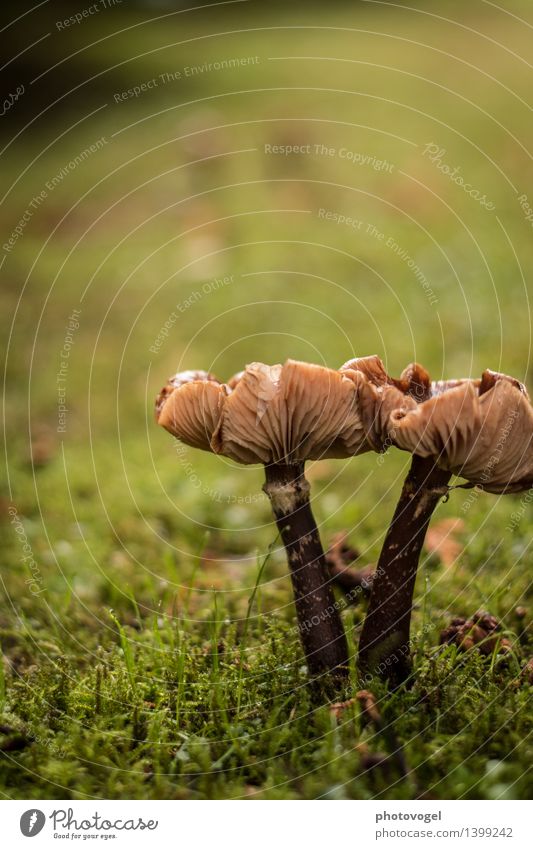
(320,625)
(480,430)
(384,643)
(281,416)
(384,647)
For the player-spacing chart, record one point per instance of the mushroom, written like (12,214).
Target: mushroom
(281,416)
(384,641)
(189,407)
(381,395)
(481,430)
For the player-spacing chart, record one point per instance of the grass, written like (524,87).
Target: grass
(151,651)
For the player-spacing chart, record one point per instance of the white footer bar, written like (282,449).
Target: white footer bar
(267,825)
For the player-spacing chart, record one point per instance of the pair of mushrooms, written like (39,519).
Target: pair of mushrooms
(281,416)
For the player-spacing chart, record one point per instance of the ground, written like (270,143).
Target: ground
(147,628)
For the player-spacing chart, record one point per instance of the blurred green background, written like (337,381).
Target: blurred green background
(184,240)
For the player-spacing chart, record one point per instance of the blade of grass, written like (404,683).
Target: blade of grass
(126,651)
(3,689)
(251,600)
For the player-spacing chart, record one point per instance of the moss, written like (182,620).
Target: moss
(130,673)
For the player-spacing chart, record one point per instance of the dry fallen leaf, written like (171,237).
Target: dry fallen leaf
(339,707)
(319,471)
(527,672)
(483,631)
(42,446)
(369,707)
(338,557)
(441,539)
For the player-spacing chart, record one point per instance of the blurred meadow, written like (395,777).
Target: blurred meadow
(202,189)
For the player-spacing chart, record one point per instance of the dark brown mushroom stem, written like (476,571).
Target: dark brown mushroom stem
(384,647)
(319,621)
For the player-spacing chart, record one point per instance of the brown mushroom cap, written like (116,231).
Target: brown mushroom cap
(234,379)
(372,367)
(289,414)
(479,430)
(189,407)
(381,394)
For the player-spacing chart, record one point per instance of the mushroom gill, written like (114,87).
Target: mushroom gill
(281,416)
(480,430)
